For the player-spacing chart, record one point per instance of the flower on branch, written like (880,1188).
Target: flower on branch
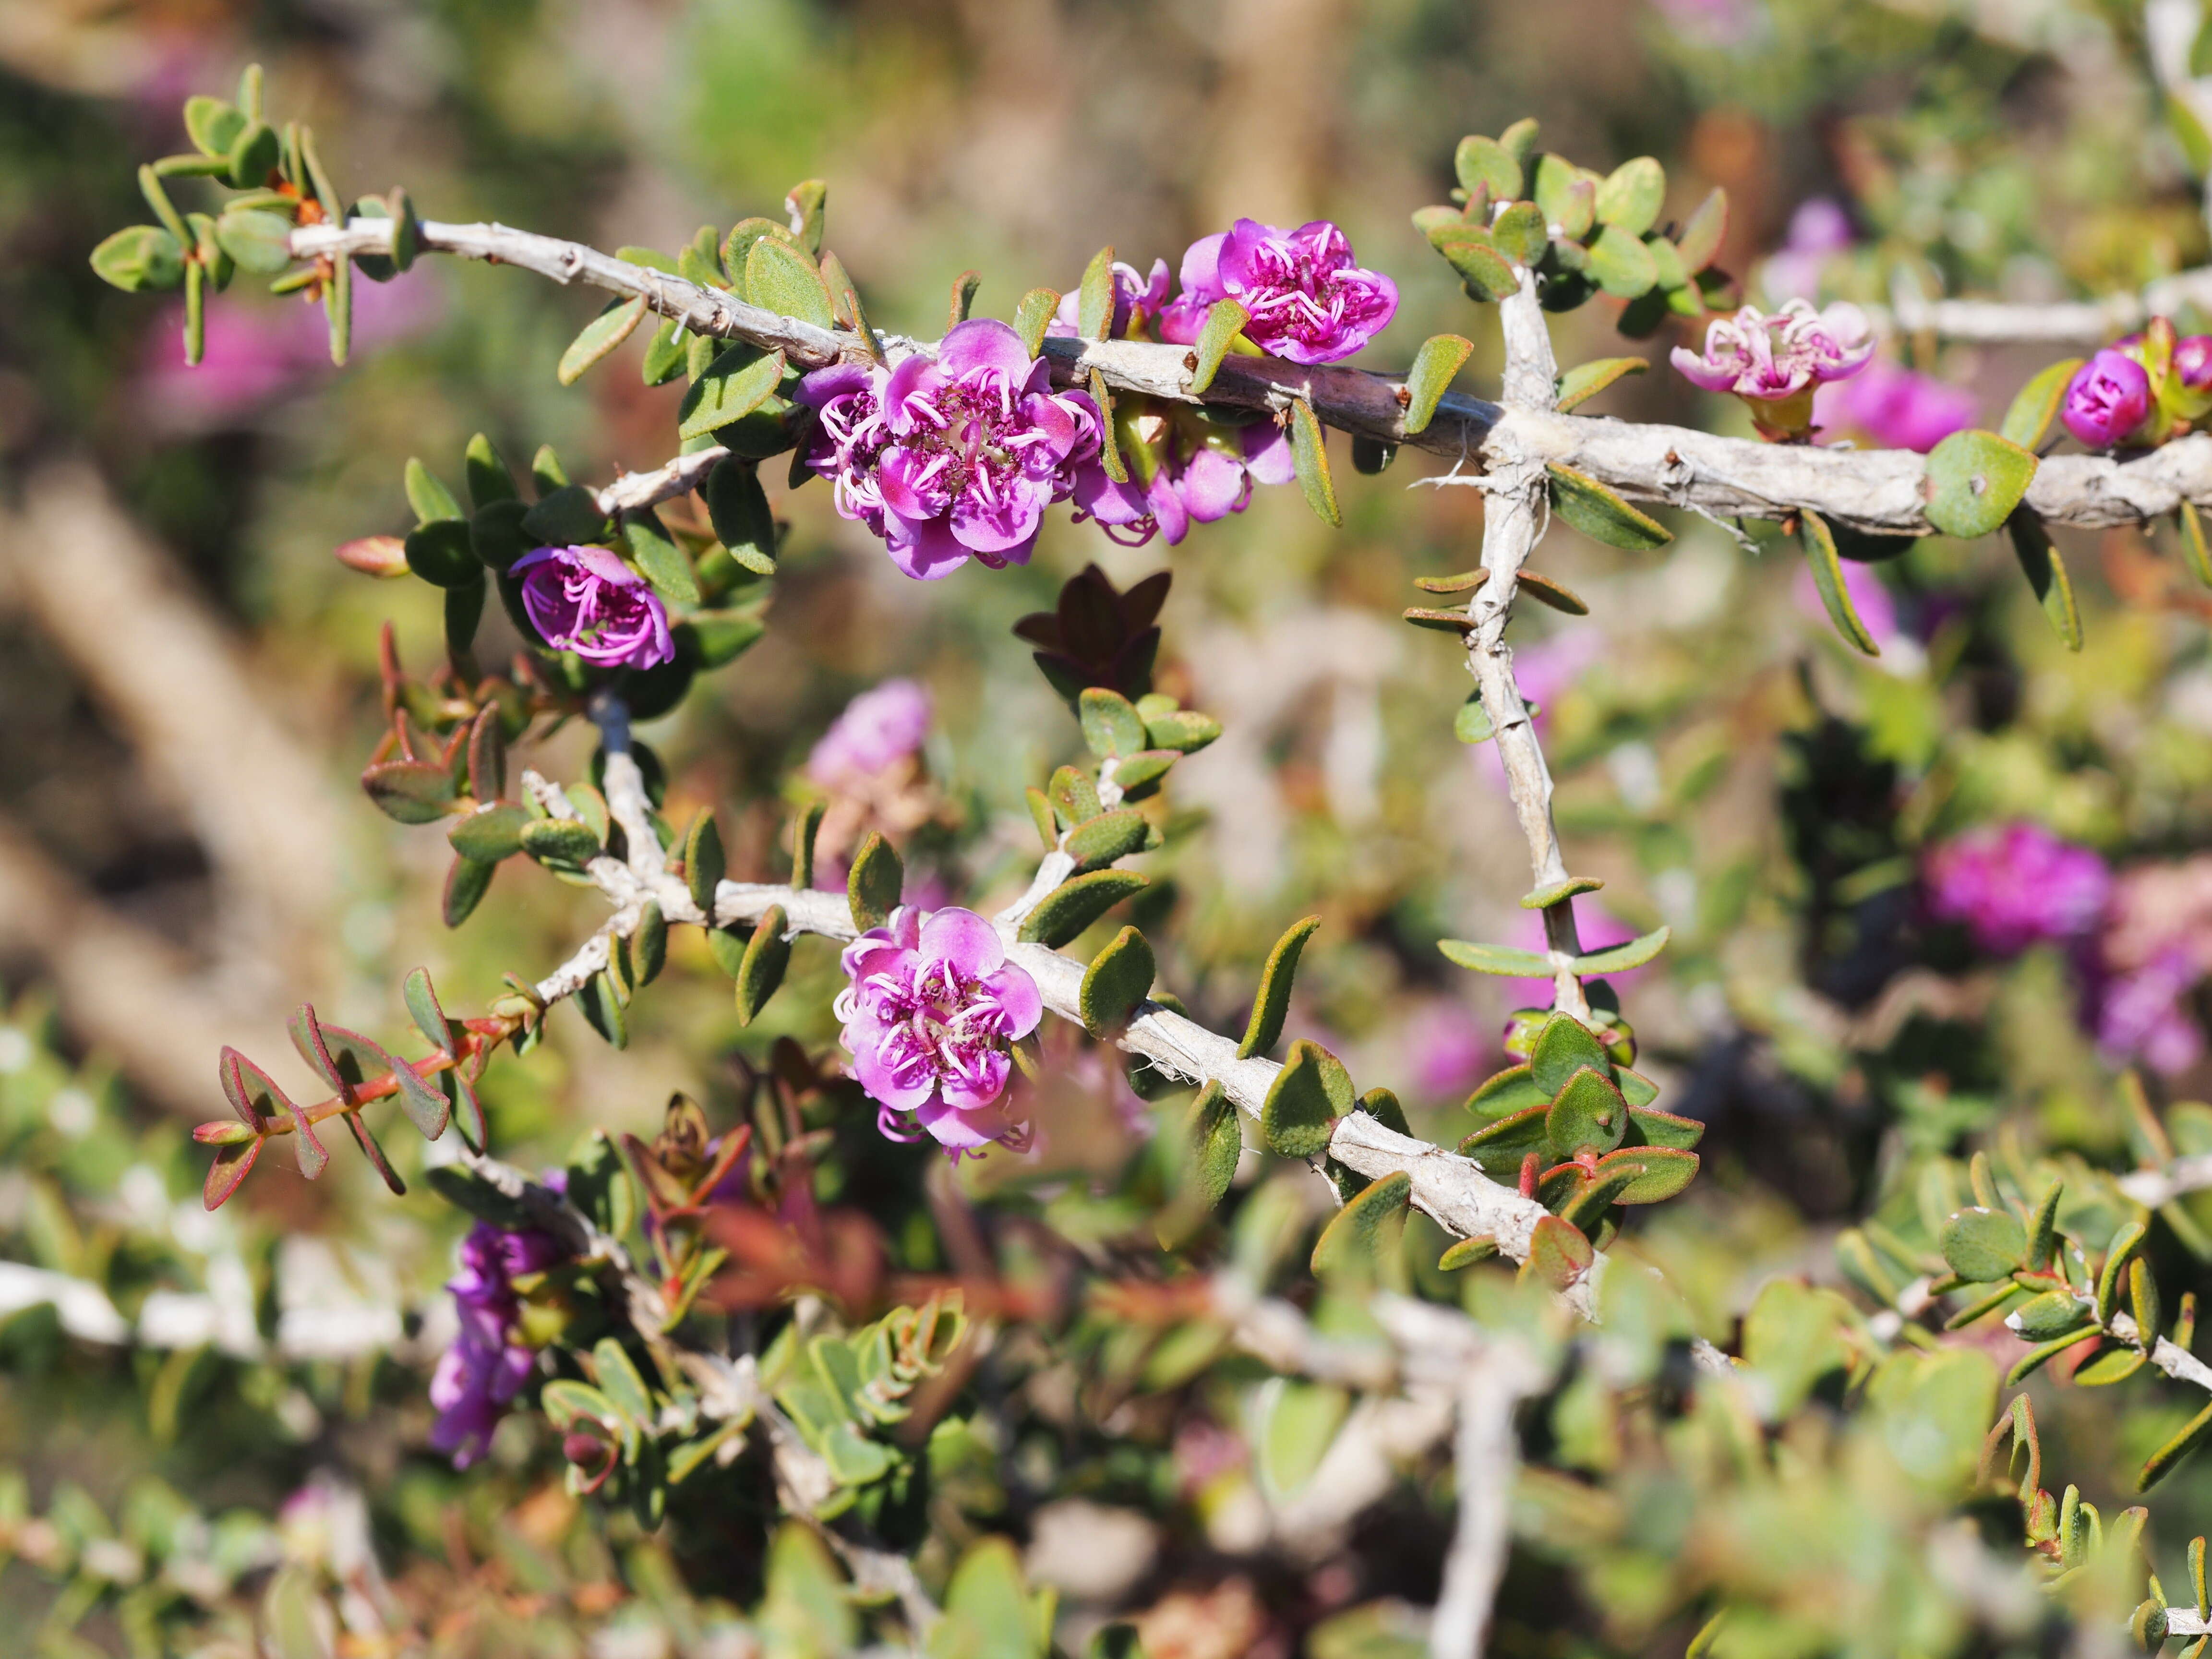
(487,1366)
(932,1005)
(2108,398)
(1185,467)
(586,601)
(1773,360)
(954,459)
(1310,303)
(1137,302)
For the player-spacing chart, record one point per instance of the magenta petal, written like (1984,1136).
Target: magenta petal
(1182,321)
(880,1079)
(1168,510)
(985,343)
(1213,486)
(1021,1004)
(962,941)
(1107,502)
(1267,455)
(962,1127)
(1711,376)
(927,549)
(916,377)
(824,384)
(994,526)
(1201,272)
(911,482)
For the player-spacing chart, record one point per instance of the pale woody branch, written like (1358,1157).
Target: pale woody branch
(1876,491)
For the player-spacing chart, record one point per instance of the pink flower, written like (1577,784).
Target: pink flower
(1766,358)
(1136,303)
(2107,399)
(1447,1050)
(932,1005)
(2192,360)
(483,1370)
(878,730)
(1818,229)
(2143,1015)
(1308,302)
(585,600)
(2017,886)
(1896,407)
(954,459)
(1185,469)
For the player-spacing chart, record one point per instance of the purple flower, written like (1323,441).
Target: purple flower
(1308,302)
(878,730)
(585,600)
(2108,398)
(2017,886)
(1184,469)
(932,1005)
(954,459)
(1772,362)
(2143,1015)
(1818,228)
(1896,407)
(2192,360)
(483,1370)
(1137,302)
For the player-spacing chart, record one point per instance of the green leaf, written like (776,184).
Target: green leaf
(260,242)
(561,841)
(1589,1116)
(1982,1245)
(1183,730)
(2114,1364)
(988,1611)
(1118,979)
(421,999)
(1665,1171)
(666,353)
(736,383)
(739,509)
(648,944)
(1700,242)
(1271,1003)
(2192,543)
(140,257)
(1110,835)
(803,830)
(1110,458)
(1440,358)
(409,792)
(2046,574)
(1224,321)
(1504,960)
(252,156)
(876,879)
(1563,1047)
(659,560)
(1484,163)
(2036,1358)
(1310,1094)
(1502,1146)
(1558,1253)
(1630,198)
(1094,303)
(603,1010)
(964,297)
(1353,1233)
(1111,725)
(1467,1252)
(1137,773)
(1215,1142)
(1621,262)
(443,554)
(1827,571)
(489,833)
(1521,233)
(1585,380)
(782,278)
(466,1190)
(760,971)
(704,865)
(1543,898)
(1654,1128)
(1033,314)
(716,637)
(213,123)
(1310,457)
(1554,594)
(1975,479)
(1598,512)
(2035,405)
(430,498)
(1472,723)
(1371,457)
(1619,958)
(2144,1302)
(1470,251)
(1504,1093)
(2054,1313)
(618,1380)
(1076,903)
(567,517)
(600,336)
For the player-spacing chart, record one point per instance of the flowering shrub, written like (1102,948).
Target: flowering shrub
(1046,1190)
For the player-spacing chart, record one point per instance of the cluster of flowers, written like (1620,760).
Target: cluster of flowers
(2143,390)
(487,1364)
(2140,939)
(960,458)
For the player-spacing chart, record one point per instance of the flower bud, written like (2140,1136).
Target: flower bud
(2192,360)
(374,556)
(2107,400)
